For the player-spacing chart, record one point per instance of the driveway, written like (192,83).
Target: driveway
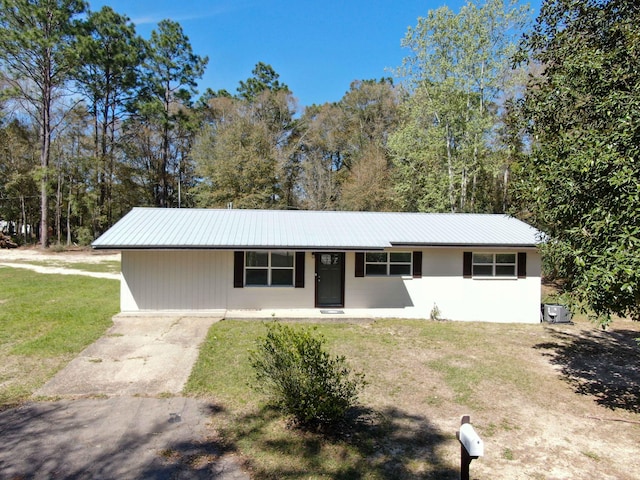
(115,438)
(107,421)
(137,356)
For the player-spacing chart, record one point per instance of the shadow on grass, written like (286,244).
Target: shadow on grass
(389,444)
(604,365)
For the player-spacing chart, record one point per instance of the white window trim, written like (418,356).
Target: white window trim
(269,268)
(388,264)
(493,265)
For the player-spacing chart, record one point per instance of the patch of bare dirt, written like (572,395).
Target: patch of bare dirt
(84,255)
(62,263)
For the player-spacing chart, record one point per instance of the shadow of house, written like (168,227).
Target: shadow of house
(603,365)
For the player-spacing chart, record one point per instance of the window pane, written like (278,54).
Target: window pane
(400,269)
(282,259)
(505,270)
(483,258)
(482,271)
(257,259)
(400,257)
(376,269)
(506,258)
(377,257)
(257,276)
(282,276)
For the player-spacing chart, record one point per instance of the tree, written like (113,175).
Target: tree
(264,78)
(456,74)
(581,182)
(246,151)
(345,162)
(18,186)
(172,70)
(322,151)
(369,114)
(110,56)
(35,47)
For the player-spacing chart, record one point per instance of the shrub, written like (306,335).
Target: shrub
(301,378)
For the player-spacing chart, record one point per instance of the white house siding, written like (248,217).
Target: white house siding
(515,300)
(203,280)
(276,297)
(442,284)
(175,280)
(200,280)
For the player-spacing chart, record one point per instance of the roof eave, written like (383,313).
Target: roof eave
(465,245)
(310,248)
(314,248)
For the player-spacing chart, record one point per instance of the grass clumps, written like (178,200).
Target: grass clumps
(302,379)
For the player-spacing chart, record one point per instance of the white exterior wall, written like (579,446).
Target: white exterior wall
(515,300)
(200,280)
(175,279)
(275,297)
(203,280)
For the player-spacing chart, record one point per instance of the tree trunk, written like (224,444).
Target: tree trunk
(59,208)
(44,163)
(69,212)
(24,218)
(463,188)
(45,144)
(505,187)
(165,152)
(452,198)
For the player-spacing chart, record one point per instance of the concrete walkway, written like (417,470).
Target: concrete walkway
(106,422)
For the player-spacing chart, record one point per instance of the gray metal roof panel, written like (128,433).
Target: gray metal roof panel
(209,228)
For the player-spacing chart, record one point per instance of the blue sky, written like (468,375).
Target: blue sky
(317,47)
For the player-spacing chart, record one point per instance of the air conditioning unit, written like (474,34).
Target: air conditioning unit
(554,313)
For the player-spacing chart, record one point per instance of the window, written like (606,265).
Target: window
(387,263)
(269,269)
(494,265)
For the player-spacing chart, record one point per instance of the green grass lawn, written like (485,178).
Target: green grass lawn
(46,320)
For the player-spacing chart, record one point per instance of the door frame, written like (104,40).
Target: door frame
(342,279)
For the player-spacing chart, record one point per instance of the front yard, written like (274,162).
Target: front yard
(549,401)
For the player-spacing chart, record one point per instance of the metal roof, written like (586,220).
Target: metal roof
(167,228)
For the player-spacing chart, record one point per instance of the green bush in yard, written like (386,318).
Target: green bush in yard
(302,378)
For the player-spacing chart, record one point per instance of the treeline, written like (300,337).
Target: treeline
(96,120)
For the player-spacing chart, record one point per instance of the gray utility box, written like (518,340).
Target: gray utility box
(554,313)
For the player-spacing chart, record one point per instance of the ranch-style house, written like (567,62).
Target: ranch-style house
(473,267)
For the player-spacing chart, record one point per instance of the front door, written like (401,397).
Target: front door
(329,279)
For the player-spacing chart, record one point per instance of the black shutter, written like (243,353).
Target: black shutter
(417,264)
(467,259)
(299,273)
(238,269)
(522,264)
(359,264)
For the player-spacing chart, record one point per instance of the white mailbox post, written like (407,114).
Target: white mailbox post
(471,446)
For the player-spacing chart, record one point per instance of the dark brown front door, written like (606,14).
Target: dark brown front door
(330,279)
